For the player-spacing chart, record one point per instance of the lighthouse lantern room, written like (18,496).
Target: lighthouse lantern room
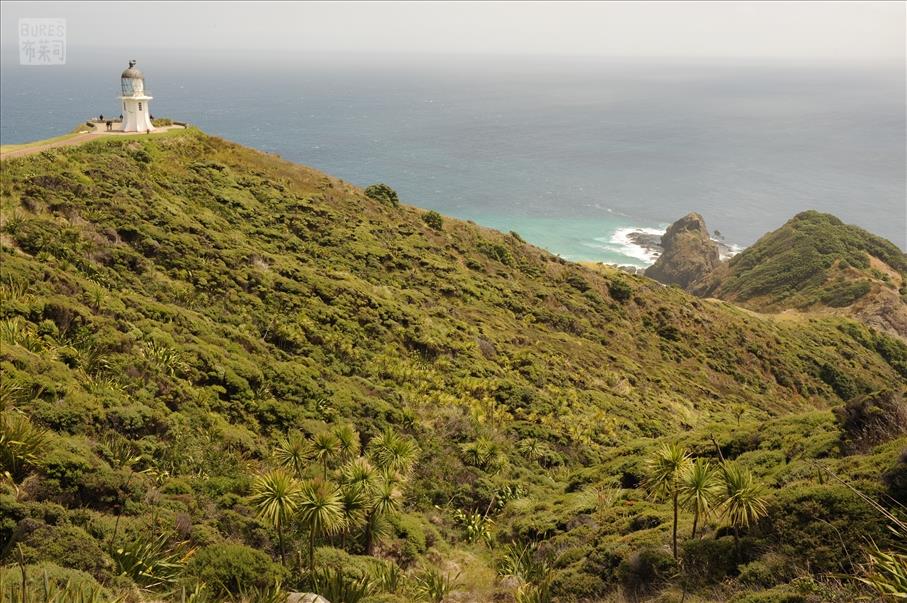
(136,114)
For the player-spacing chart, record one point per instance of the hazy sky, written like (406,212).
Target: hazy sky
(839,31)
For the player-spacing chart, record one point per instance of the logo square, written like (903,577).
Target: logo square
(42,41)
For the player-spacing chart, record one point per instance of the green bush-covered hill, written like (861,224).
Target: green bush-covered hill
(182,315)
(814,262)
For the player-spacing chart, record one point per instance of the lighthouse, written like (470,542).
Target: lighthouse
(136,115)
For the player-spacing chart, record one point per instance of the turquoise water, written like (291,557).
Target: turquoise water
(565,152)
(578,239)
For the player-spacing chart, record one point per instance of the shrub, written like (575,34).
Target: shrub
(842,384)
(895,478)
(67,466)
(106,489)
(644,521)
(66,545)
(142,156)
(819,524)
(843,294)
(577,282)
(572,584)
(410,529)
(872,419)
(646,571)
(766,571)
(383,193)
(433,219)
(135,420)
(619,290)
(707,561)
(67,414)
(354,566)
(496,252)
(781,594)
(231,568)
(11,511)
(603,561)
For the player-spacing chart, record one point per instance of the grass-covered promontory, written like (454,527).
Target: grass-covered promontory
(815,261)
(222,371)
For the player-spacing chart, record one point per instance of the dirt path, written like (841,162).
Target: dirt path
(96,132)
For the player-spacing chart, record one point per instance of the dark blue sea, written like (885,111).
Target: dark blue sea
(572,153)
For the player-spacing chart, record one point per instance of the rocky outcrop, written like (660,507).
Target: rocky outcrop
(882,308)
(688,253)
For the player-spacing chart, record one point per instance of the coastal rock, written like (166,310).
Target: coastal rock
(883,309)
(630,269)
(651,242)
(688,253)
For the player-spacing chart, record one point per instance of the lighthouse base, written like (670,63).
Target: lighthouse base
(136,115)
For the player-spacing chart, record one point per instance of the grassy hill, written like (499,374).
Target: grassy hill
(181,315)
(817,262)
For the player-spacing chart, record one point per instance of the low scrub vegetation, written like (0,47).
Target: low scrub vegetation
(228,377)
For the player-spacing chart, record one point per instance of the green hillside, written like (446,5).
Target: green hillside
(817,261)
(181,315)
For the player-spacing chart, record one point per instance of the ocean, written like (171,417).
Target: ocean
(571,153)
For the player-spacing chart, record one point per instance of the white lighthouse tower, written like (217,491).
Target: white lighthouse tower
(136,115)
